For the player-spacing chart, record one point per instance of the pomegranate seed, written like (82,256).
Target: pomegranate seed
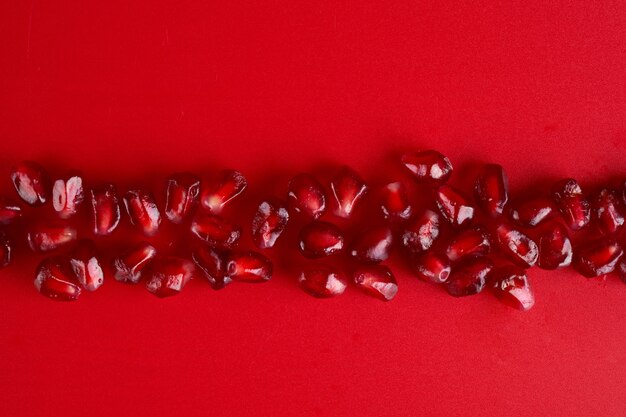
(67,196)
(31,182)
(573,206)
(9,211)
(511,285)
(454,206)
(621,270)
(129,266)
(86,266)
(469,277)
(347,189)
(48,238)
(607,212)
(492,190)
(431,267)
(396,205)
(597,258)
(181,196)
(532,212)
(421,233)
(105,209)
(319,239)
(169,275)
(215,231)
(249,267)
(377,280)
(55,279)
(143,211)
(5,251)
(555,248)
(269,222)
(520,248)
(322,282)
(211,262)
(428,166)
(373,245)
(471,242)
(217,195)
(306,196)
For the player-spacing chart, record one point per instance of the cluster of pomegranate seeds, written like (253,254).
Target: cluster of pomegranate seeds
(462,241)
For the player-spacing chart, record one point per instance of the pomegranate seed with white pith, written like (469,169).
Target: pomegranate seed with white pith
(607,211)
(492,190)
(520,248)
(469,277)
(428,166)
(215,231)
(377,280)
(431,267)
(143,211)
(31,182)
(454,206)
(574,207)
(250,267)
(5,251)
(470,242)
(229,185)
(86,265)
(55,279)
(67,196)
(318,239)
(422,232)
(44,238)
(105,208)
(9,211)
(129,266)
(597,258)
(396,204)
(181,196)
(322,282)
(532,212)
(374,245)
(168,276)
(269,222)
(212,263)
(511,286)
(347,190)
(555,247)
(306,195)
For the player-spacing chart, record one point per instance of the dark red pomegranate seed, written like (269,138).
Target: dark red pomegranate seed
(230,184)
(306,195)
(511,285)
(421,233)
(44,238)
(555,247)
(31,182)
(428,166)
(322,282)
(454,206)
(377,280)
(492,190)
(9,211)
(431,267)
(169,275)
(5,251)
(374,245)
(215,231)
(86,265)
(347,190)
(67,196)
(318,239)
(469,277)
(213,264)
(574,207)
(520,248)
(471,242)
(105,209)
(597,258)
(396,205)
(129,266)
(607,212)
(249,267)
(269,223)
(143,211)
(55,279)
(532,212)
(181,196)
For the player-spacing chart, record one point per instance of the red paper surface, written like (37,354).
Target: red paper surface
(133,90)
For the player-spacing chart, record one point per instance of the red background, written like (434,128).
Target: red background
(133,90)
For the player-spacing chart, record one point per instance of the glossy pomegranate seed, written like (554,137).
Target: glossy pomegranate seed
(469,277)
(55,279)
(306,196)
(67,196)
(374,245)
(269,223)
(607,212)
(428,166)
(45,238)
(215,231)
(347,190)
(249,267)
(213,264)
(169,275)
(31,182)
(129,266)
(555,248)
(86,265)
(396,205)
(421,233)
(5,251)
(181,196)
(573,206)
(318,239)
(492,190)
(322,282)
(532,212)
(105,208)
(471,242)
(597,258)
(230,184)
(520,248)
(9,211)
(511,285)
(454,207)
(143,211)
(431,267)
(377,280)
